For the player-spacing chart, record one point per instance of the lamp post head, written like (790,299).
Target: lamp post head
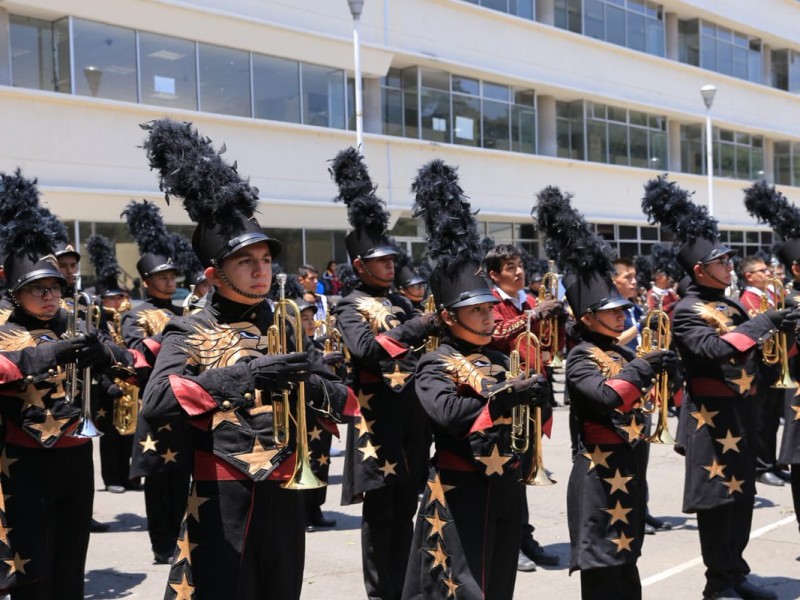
(708,92)
(356,6)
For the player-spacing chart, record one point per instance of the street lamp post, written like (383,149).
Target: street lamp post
(708,92)
(356,6)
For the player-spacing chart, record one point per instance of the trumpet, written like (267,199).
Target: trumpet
(126,408)
(520,414)
(775,351)
(86,427)
(432,343)
(548,328)
(303,477)
(657,335)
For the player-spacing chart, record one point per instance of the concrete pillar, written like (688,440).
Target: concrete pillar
(373,119)
(766,64)
(5,48)
(546,12)
(674,156)
(546,125)
(671,32)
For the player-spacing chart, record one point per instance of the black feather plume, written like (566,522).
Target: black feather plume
(185,257)
(570,241)
(190,168)
(450,226)
(147,227)
(768,205)
(25,227)
(104,258)
(671,206)
(644,275)
(487,243)
(364,209)
(348,278)
(664,258)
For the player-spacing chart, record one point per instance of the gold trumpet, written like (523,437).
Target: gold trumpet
(520,414)
(303,477)
(775,351)
(548,328)
(126,408)
(432,343)
(657,335)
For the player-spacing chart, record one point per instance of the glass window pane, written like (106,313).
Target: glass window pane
(658,150)
(615,25)
(466,120)
(61,43)
(292,254)
(323,96)
(392,103)
(606,230)
(411,114)
(105,61)
(465,85)
(628,232)
(495,91)
(618,144)
(636,32)
(501,232)
(168,71)
(640,155)
(655,37)
(594,21)
(319,248)
(224,80)
(649,233)
(523,131)
(597,141)
(31,53)
(439,80)
(435,115)
(496,125)
(727,166)
(528,98)
(276,88)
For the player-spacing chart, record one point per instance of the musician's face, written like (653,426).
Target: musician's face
(415,292)
(625,281)
(609,322)
(161,285)
(202,288)
(114,301)
(478,317)
(307,318)
(757,275)
(249,270)
(376,272)
(511,277)
(715,274)
(68,265)
(40,298)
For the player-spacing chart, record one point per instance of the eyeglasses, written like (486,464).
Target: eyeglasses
(765,271)
(38,291)
(725,261)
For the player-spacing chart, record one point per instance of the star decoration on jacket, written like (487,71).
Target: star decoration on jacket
(323,459)
(149,444)
(364,399)
(439,556)
(618,513)
(704,417)
(34,396)
(314,434)
(388,468)
(452,586)
(4,531)
(183,590)
(623,542)
(438,490)
(364,426)
(169,456)
(634,430)
(729,442)
(734,485)
(16,564)
(258,458)
(796,410)
(437,523)
(744,381)
(185,548)
(597,457)
(397,377)
(224,416)
(193,504)
(101,413)
(6,462)
(494,462)
(618,482)
(369,451)
(715,470)
(51,427)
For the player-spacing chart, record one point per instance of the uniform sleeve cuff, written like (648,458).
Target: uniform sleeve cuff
(351,408)
(191,396)
(392,346)
(484,420)
(8,371)
(153,346)
(139,361)
(739,341)
(628,393)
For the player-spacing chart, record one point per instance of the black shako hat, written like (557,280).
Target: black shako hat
(146,226)
(580,253)
(407,276)
(214,194)
(458,278)
(365,210)
(768,205)
(695,230)
(66,249)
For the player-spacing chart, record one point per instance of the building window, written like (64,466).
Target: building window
(716,48)
(628,241)
(224,80)
(323,96)
(392,103)
(31,43)
(787,163)
(635,24)
(569,129)
(168,74)
(105,61)
(747,243)
(519,8)
(786,70)
(736,155)
(276,88)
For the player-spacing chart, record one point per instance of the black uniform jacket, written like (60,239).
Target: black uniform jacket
(719,346)
(201,376)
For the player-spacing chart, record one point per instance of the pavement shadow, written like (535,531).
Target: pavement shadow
(761,502)
(334,479)
(343,520)
(110,583)
(784,587)
(562,551)
(128,522)
(677,522)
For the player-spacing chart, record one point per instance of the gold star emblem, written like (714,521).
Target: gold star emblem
(623,542)
(388,468)
(597,457)
(363,400)
(34,396)
(439,557)
(734,485)
(369,451)
(4,531)
(397,377)
(324,459)
(744,382)
(364,426)
(634,430)
(193,504)
(51,427)
(704,417)
(729,442)
(224,416)
(452,586)
(101,413)
(437,523)
(314,433)
(6,462)
(16,564)
(258,458)
(185,549)
(169,456)
(618,482)
(618,513)
(494,462)
(796,410)
(183,590)
(715,470)
(438,490)
(148,445)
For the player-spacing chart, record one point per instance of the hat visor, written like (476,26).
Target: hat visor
(36,275)
(414,281)
(162,268)
(718,252)
(249,239)
(480,297)
(378,252)
(613,302)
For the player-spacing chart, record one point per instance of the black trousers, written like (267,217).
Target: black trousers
(796,491)
(115,457)
(165,495)
(245,541)
(768,412)
(49,511)
(611,583)
(724,533)
(387,526)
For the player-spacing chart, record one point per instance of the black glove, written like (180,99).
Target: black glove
(114,391)
(333,359)
(315,392)
(548,308)
(785,319)
(63,352)
(662,360)
(431,322)
(95,354)
(278,371)
(533,391)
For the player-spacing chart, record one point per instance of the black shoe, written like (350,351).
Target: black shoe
(657,523)
(533,550)
(726,594)
(115,489)
(785,475)
(319,522)
(649,529)
(98,527)
(524,563)
(135,486)
(748,591)
(162,558)
(769,478)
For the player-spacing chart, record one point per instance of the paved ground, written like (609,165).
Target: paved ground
(119,563)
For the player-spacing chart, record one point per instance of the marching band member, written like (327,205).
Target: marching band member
(242,536)
(409,282)
(665,270)
(718,345)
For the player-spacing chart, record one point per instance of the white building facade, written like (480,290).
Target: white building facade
(594,96)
